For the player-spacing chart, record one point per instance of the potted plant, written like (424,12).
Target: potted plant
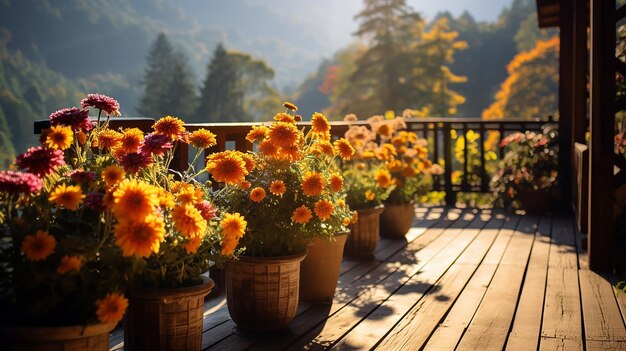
(527,175)
(288,196)
(368,184)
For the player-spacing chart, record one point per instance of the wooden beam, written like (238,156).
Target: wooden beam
(601,129)
(579,77)
(566,145)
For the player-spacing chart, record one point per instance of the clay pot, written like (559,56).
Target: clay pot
(320,269)
(76,338)
(364,234)
(396,220)
(262,293)
(166,318)
(534,201)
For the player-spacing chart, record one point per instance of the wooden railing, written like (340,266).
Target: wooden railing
(472,167)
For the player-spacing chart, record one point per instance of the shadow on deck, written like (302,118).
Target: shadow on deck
(465,280)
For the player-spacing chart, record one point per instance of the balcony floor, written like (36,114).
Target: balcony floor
(465,280)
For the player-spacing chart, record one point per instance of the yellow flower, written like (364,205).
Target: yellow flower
(383,178)
(291,153)
(312,184)
(257,133)
(131,140)
(108,139)
(140,238)
(323,209)
(355,217)
(290,106)
(319,123)
(369,195)
(278,187)
(268,148)
(326,148)
(346,221)
(60,137)
(257,194)
(166,199)
(169,126)
(227,167)
(344,149)
(188,220)
(301,215)
(82,137)
(112,175)
(134,199)
(233,228)
(69,197)
(39,246)
(336,182)
(283,134)
(69,263)
(341,203)
(284,117)
(192,245)
(202,139)
(249,160)
(111,308)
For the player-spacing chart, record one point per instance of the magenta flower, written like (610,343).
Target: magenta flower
(155,144)
(82,177)
(101,102)
(40,161)
(76,118)
(95,202)
(133,162)
(207,210)
(16,182)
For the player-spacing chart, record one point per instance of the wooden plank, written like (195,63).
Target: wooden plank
(563,252)
(527,324)
(602,318)
(560,344)
(593,345)
(562,315)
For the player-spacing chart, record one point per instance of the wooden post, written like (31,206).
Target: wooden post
(566,146)
(602,121)
(447,157)
(579,77)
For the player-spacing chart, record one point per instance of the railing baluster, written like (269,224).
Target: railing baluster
(483,171)
(466,166)
(447,174)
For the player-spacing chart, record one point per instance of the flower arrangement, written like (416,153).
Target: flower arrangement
(531,163)
(92,209)
(288,189)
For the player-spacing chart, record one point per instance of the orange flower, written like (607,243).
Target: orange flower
(39,246)
(319,123)
(326,148)
(69,263)
(290,106)
(346,221)
(284,117)
(81,137)
(278,187)
(192,245)
(257,133)
(283,134)
(188,221)
(355,217)
(227,167)
(202,139)
(336,182)
(291,153)
(140,238)
(60,137)
(268,148)
(233,228)
(301,215)
(131,139)
(245,185)
(108,139)
(323,209)
(249,160)
(383,178)
(111,308)
(257,194)
(169,126)
(369,195)
(134,199)
(312,184)
(69,197)
(344,149)
(112,175)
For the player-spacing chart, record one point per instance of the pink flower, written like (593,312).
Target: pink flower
(155,144)
(133,162)
(16,182)
(73,117)
(101,102)
(207,210)
(40,160)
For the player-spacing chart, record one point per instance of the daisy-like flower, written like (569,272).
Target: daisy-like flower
(344,149)
(257,133)
(131,139)
(81,137)
(257,194)
(134,200)
(102,102)
(202,139)
(383,178)
(207,210)
(284,117)
(192,244)
(346,221)
(39,246)
(156,144)
(112,175)
(111,308)
(313,184)
(283,134)
(233,228)
(69,263)
(169,126)
(227,167)
(82,177)
(268,148)
(60,137)
(291,153)
(188,221)
(369,195)
(278,187)
(351,117)
(245,185)
(249,160)
(301,215)
(40,161)
(319,123)
(133,162)
(140,238)
(290,106)
(323,209)
(19,183)
(69,197)
(326,148)
(355,217)
(108,139)
(336,182)
(73,117)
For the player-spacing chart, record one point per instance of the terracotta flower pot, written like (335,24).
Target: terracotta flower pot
(396,220)
(319,271)
(166,318)
(76,338)
(262,293)
(534,201)
(364,235)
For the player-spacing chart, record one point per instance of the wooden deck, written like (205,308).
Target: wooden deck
(464,280)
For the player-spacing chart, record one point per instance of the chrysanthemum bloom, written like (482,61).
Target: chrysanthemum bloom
(192,244)
(131,139)
(326,148)
(245,185)
(60,137)
(323,209)
(69,263)
(15,182)
(290,106)
(284,117)
(111,308)
(355,217)
(268,148)
(140,237)
(283,134)
(346,221)
(67,196)
(95,202)
(298,118)
(319,123)
(369,195)
(383,178)
(257,194)
(351,117)
(301,215)
(188,220)
(40,161)
(166,199)
(134,162)
(341,203)
(108,139)
(82,177)
(383,129)
(291,153)
(278,187)
(409,171)
(102,102)
(202,139)
(186,195)
(207,210)
(313,184)
(257,133)
(227,167)
(344,149)
(336,182)
(73,117)
(233,228)
(134,199)
(156,144)
(112,175)
(249,160)
(394,165)
(81,137)
(39,246)
(169,126)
